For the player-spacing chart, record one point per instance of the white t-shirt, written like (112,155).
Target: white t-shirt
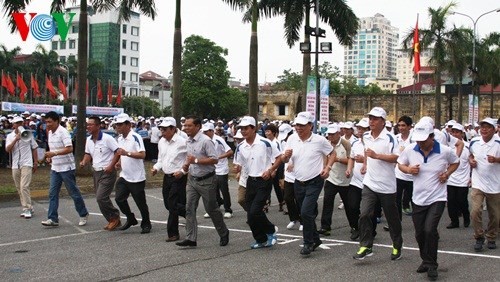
(22,152)
(155,135)
(258,157)
(337,175)
(461,176)
(402,144)
(356,177)
(102,151)
(380,176)
(59,140)
(486,176)
(221,147)
(308,156)
(132,169)
(427,188)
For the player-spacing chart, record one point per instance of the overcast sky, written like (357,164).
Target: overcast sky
(215,20)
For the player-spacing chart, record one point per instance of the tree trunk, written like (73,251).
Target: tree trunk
(253,89)
(306,67)
(437,118)
(177,64)
(82,78)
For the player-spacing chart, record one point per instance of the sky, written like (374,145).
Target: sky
(215,20)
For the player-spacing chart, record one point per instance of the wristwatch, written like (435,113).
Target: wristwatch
(195,161)
(129,154)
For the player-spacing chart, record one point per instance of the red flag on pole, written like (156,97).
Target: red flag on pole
(75,90)
(62,88)
(34,87)
(22,87)
(99,91)
(50,87)
(10,85)
(4,81)
(119,97)
(416,50)
(110,92)
(87,89)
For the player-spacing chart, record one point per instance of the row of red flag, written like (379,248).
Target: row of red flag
(23,89)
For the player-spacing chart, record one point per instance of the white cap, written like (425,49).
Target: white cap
(490,121)
(333,128)
(238,134)
(422,130)
(388,123)
(17,119)
(284,129)
(363,123)
(427,119)
(347,124)
(458,126)
(451,122)
(32,123)
(304,118)
(121,118)
(378,112)
(246,121)
(168,121)
(207,126)
(26,113)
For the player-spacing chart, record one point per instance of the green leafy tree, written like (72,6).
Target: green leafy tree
(489,63)
(141,106)
(7,56)
(289,81)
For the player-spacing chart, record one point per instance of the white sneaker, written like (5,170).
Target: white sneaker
(292,225)
(23,213)
(83,220)
(341,206)
(50,222)
(27,214)
(206,215)
(227,215)
(301,227)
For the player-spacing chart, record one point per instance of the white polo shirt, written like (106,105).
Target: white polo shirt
(258,157)
(427,188)
(308,156)
(171,155)
(380,176)
(132,169)
(221,147)
(102,150)
(486,176)
(357,148)
(155,135)
(59,140)
(461,176)
(243,172)
(402,144)
(337,175)
(22,152)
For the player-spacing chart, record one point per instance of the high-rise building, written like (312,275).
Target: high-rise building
(373,52)
(405,72)
(112,44)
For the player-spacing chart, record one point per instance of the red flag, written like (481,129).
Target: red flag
(10,85)
(22,87)
(50,88)
(99,91)
(4,81)
(62,88)
(110,92)
(87,89)
(416,50)
(119,97)
(34,87)
(75,91)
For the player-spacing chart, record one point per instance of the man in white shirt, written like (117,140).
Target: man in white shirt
(24,163)
(485,163)
(102,150)
(132,179)
(172,152)
(381,153)
(404,181)
(309,154)
(62,160)
(431,164)
(154,138)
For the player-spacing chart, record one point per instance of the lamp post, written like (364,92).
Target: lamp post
(474,70)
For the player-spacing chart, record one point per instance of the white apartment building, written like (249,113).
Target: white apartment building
(404,71)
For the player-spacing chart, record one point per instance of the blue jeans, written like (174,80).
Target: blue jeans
(307,195)
(56,180)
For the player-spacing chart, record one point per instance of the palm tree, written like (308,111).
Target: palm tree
(252,15)
(488,63)
(7,58)
(177,64)
(336,13)
(124,7)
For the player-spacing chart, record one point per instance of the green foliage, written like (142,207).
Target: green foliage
(141,106)
(289,81)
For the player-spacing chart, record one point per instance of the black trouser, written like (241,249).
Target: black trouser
(291,202)
(425,221)
(354,203)
(222,187)
(403,197)
(458,203)
(277,189)
(123,190)
(258,191)
(330,191)
(369,200)
(174,199)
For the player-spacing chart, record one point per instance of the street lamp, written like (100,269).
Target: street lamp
(474,70)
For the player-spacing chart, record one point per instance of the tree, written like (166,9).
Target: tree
(177,64)
(7,63)
(205,79)
(136,105)
(489,63)
(336,13)
(289,81)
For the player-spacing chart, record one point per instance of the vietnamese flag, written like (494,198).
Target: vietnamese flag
(110,92)
(34,87)
(62,88)
(10,85)
(22,87)
(50,87)
(416,50)
(99,91)
(4,81)
(119,97)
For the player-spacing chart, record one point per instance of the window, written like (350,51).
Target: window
(71,58)
(124,75)
(124,28)
(135,30)
(124,44)
(133,76)
(74,29)
(134,62)
(133,91)
(124,60)
(134,46)
(54,45)
(62,59)
(282,110)
(72,44)
(62,45)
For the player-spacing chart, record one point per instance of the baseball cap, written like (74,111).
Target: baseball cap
(17,119)
(388,123)
(458,126)
(246,121)
(489,121)
(427,119)
(121,118)
(304,118)
(422,131)
(347,124)
(238,134)
(378,112)
(333,128)
(363,123)
(168,121)
(450,123)
(284,129)
(207,126)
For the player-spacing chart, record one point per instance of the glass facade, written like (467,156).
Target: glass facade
(104,42)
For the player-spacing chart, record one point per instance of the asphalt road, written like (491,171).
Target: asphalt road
(29,251)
